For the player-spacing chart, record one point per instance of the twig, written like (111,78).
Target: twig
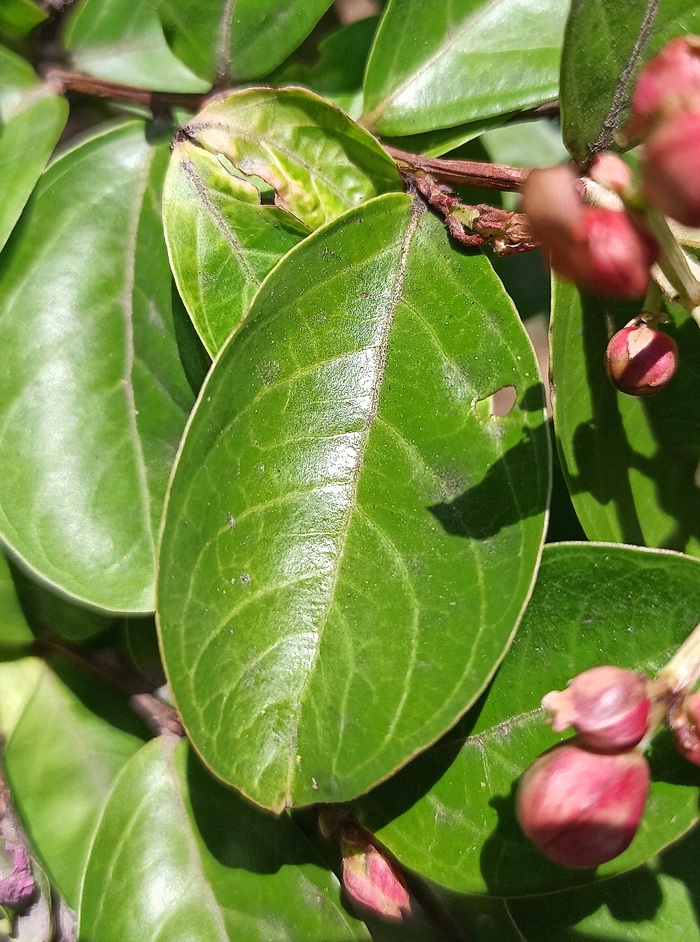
(63,80)
(465,172)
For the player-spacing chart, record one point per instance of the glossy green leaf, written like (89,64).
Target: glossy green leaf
(32,117)
(179,857)
(49,613)
(18,681)
(338,73)
(450,813)
(443,140)
(438,65)
(350,536)
(630,464)
(94,393)
(236,40)
(222,241)
(122,41)
(19,17)
(73,737)
(318,161)
(654,903)
(606,44)
(14,630)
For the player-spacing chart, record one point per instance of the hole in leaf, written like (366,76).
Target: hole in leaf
(499,403)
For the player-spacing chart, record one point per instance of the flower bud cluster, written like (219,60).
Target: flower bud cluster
(581,802)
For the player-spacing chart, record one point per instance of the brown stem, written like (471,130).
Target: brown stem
(63,80)
(466,172)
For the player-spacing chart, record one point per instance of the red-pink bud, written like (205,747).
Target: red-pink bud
(607,706)
(686,729)
(611,172)
(670,80)
(370,878)
(604,250)
(640,360)
(582,808)
(671,167)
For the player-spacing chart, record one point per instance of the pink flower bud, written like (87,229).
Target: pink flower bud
(686,731)
(604,250)
(669,81)
(671,167)
(370,878)
(640,361)
(581,808)
(611,172)
(607,706)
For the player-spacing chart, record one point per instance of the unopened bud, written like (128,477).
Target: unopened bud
(671,167)
(640,360)
(607,706)
(370,879)
(686,731)
(603,250)
(669,81)
(611,171)
(16,886)
(582,808)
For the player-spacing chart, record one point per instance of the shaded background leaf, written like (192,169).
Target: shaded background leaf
(179,857)
(95,386)
(122,41)
(344,492)
(630,464)
(73,737)
(32,117)
(441,65)
(19,17)
(450,813)
(606,44)
(14,630)
(318,161)
(221,240)
(236,40)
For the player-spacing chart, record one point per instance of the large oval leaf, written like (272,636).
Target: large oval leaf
(318,161)
(350,537)
(122,41)
(450,813)
(236,40)
(606,44)
(630,464)
(438,65)
(32,117)
(178,857)
(221,240)
(93,391)
(61,760)
(653,903)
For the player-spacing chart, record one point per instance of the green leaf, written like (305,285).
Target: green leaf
(630,463)
(14,630)
(122,41)
(450,814)
(319,162)
(32,117)
(18,680)
(222,241)
(51,614)
(654,903)
(179,857)
(339,71)
(605,46)
(19,17)
(438,65)
(236,40)
(444,140)
(93,390)
(73,737)
(343,499)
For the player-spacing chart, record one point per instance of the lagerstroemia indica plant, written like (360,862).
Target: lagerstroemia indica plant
(318,620)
